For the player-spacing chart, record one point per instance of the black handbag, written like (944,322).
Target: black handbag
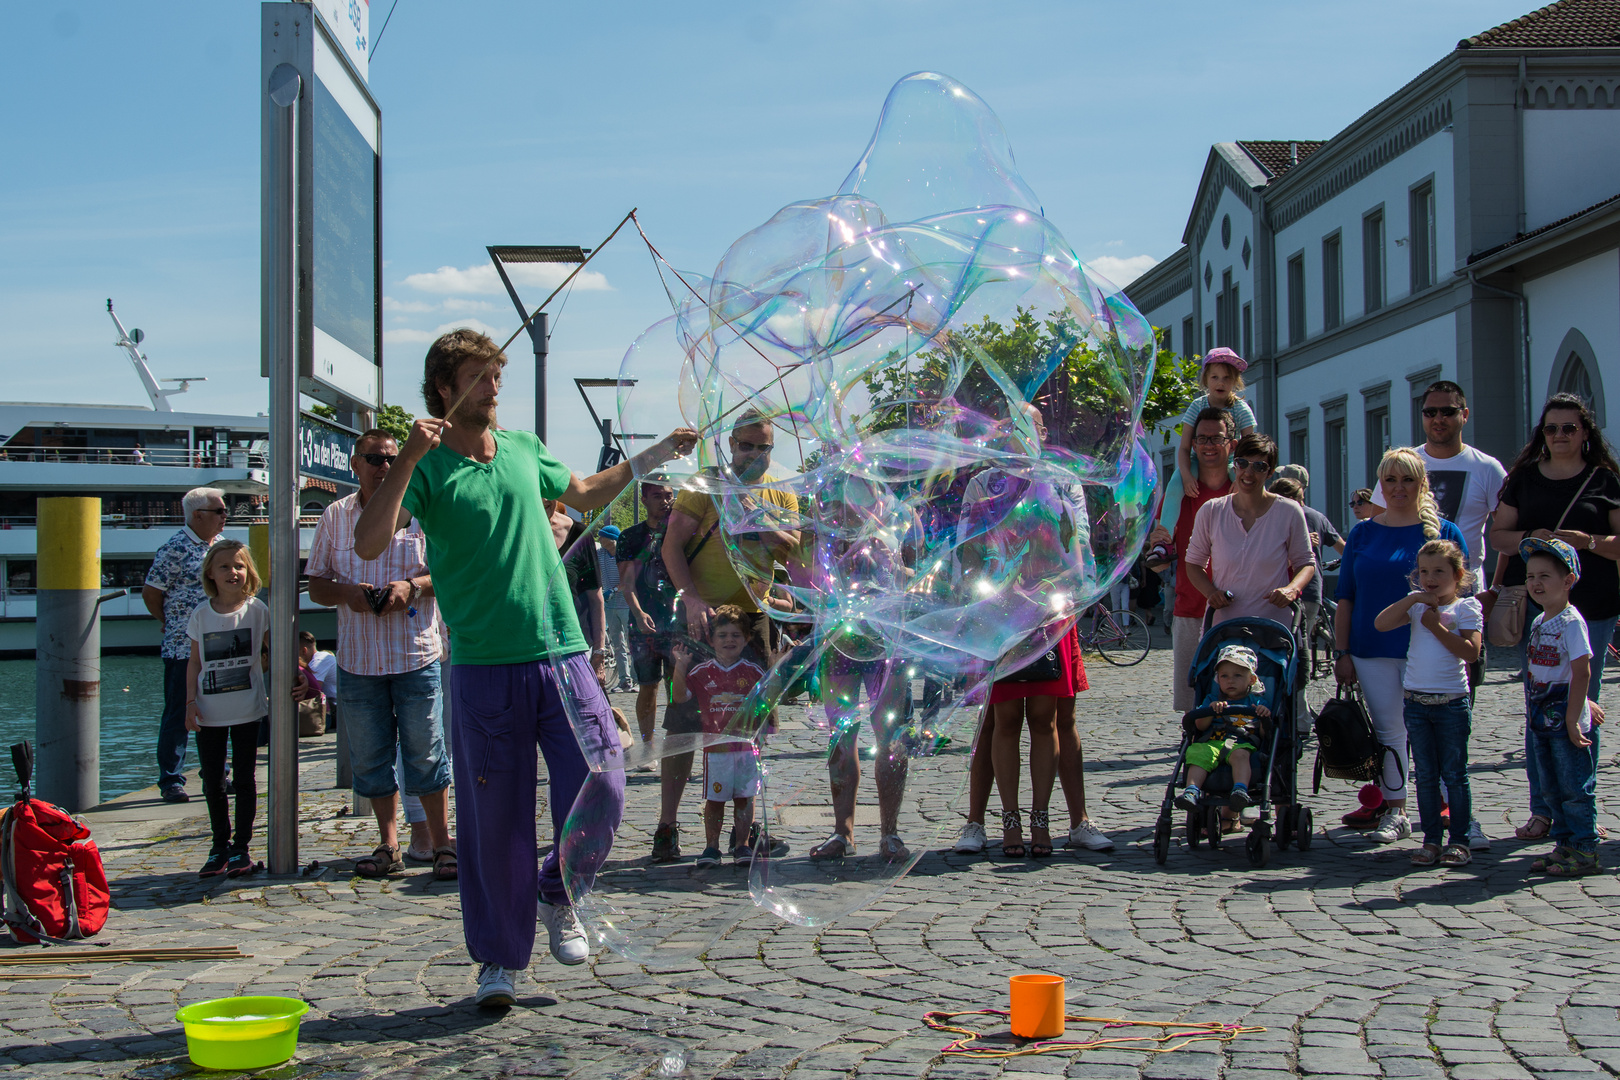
(1347,747)
(1048,667)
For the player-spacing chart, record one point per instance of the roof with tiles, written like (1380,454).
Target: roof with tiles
(1277,156)
(1567,24)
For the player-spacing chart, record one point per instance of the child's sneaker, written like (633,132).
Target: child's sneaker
(710,857)
(1188,799)
(1394,826)
(1477,840)
(215,865)
(1239,799)
(1371,810)
(666,844)
(240,864)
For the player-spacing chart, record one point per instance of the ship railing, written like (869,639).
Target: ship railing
(159,521)
(172,456)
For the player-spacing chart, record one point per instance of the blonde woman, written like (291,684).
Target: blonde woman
(1379,557)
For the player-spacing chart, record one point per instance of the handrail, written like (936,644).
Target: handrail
(171,456)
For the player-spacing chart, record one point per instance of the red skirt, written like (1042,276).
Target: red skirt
(1072,683)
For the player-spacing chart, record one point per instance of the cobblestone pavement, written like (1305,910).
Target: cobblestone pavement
(1354,963)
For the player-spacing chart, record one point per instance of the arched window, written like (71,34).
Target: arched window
(1575,370)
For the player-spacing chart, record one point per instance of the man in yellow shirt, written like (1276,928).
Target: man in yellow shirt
(696,557)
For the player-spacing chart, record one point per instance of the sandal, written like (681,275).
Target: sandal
(1456,855)
(1038,820)
(893,849)
(1427,855)
(444,864)
(1552,858)
(1577,865)
(1012,822)
(836,846)
(380,863)
(1536,828)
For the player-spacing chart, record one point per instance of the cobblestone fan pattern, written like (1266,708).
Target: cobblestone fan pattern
(1355,963)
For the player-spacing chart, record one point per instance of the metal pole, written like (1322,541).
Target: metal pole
(542,345)
(282,335)
(67,651)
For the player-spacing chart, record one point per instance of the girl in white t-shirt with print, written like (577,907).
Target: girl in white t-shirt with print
(225,696)
(1447,634)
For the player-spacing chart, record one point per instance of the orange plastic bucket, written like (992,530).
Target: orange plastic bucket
(1037,1006)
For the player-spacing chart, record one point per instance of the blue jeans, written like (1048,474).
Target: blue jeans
(1439,738)
(1601,632)
(1569,785)
(172,733)
(382,713)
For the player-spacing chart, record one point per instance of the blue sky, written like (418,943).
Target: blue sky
(131,142)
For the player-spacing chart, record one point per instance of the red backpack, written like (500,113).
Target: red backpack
(55,887)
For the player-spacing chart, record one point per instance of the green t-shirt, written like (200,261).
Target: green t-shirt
(496,573)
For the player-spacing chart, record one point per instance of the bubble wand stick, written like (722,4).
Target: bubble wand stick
(524,325)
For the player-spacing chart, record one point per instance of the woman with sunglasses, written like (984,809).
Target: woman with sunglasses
(1376,570)
(1362,505)
(1565,485)
(1255,544)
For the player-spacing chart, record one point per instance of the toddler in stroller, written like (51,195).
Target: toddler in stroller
(1229,727)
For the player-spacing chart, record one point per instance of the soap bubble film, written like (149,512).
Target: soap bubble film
(920,460)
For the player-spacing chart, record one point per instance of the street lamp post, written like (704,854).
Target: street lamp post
(503,255)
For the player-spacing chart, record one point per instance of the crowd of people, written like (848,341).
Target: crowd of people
(657,607)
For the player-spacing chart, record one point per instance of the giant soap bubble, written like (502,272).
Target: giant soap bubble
(921,459)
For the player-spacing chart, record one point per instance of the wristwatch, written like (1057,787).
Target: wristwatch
(1591,541)
(416,590)
(1337,653)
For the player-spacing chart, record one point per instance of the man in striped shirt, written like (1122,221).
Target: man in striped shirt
(388,664)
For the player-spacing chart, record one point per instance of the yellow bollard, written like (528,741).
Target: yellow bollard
(67,653)
(259,545)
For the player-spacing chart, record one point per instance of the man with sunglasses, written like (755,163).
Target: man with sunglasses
(173,590)
(1464,481)
(388,663)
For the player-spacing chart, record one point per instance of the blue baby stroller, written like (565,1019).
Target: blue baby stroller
(1276,758)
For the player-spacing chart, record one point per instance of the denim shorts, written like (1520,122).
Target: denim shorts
(385,713)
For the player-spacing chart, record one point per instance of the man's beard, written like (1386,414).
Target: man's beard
(472,417)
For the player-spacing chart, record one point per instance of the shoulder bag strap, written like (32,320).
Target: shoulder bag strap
(1578,493)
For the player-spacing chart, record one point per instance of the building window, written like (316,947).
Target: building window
(1299,439)
(1375,404)
(1296,299)
(1422,236)
(1167,341)
(1209,336)
(1332,281)
(1418,384)
(1248,331)
(1226,311)
(1575,379)
(1372,261)
(1188,343)
(1336,450)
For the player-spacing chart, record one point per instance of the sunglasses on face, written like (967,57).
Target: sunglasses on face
(1554,429)
(212,510)
(754,447)
(1357,504)
(1245,465)
(379,460)
(1447,411)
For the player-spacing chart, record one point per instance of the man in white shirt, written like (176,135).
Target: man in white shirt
(1465,482)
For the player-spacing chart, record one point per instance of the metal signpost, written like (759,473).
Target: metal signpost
(321,306)
(503,255)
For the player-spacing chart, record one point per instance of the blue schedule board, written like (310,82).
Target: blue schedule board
(323,450)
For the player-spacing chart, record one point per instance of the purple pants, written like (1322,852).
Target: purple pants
(502,711)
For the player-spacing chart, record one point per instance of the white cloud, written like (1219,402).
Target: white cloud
(402,336)
(390,304)
(454,303)
(483,281)
(1122,271)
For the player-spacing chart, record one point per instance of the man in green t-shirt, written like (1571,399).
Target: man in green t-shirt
(479,493)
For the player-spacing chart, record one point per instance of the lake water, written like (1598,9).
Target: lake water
(131,703)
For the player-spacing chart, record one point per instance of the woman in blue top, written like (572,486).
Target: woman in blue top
(1379,557)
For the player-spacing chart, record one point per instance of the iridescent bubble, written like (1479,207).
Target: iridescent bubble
(950,406)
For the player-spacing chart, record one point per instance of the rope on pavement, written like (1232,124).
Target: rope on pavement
(1176,1035)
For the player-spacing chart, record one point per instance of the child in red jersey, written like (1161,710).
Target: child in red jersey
(730,765)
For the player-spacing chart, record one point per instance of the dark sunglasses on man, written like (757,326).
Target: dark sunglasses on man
(379,460)
(1448,411)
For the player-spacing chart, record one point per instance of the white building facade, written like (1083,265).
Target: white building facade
(1461,229)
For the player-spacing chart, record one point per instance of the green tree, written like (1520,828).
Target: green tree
(397,422)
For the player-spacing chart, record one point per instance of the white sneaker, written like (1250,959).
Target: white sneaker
(1477,840)
(496,986)
(1393,826)
(1090,837)
(972,840)
(568,944)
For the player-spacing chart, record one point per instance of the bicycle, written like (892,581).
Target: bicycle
(1122,646)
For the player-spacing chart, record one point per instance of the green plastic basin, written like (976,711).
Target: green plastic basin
(242,1032)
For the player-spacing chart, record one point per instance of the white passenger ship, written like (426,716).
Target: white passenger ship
(140,460)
